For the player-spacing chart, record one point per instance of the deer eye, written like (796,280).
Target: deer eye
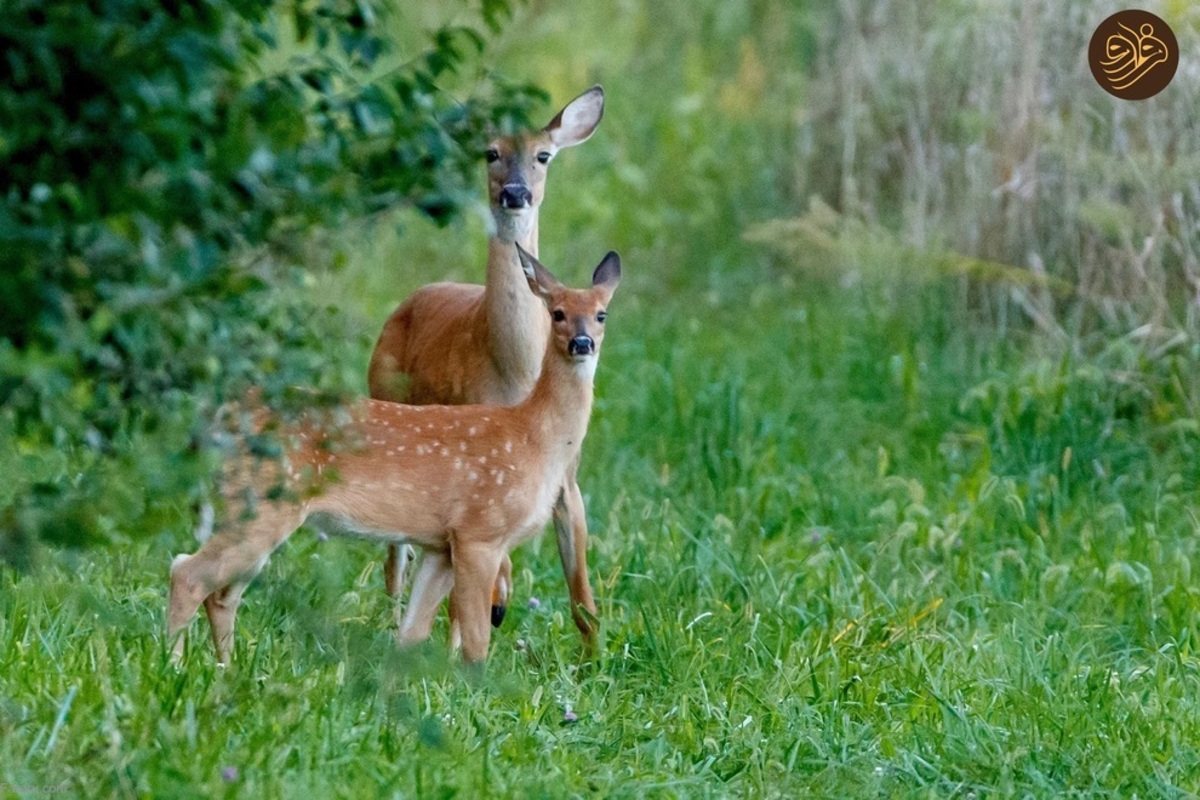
(559,315)
(543,157)
(603,315)
(493,155)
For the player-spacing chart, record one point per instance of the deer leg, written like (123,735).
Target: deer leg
(394,571)
(222,568)
(502,592)
(432,583)
(396,567)
(570,524)
(475,571)
(185,597)
(221,607)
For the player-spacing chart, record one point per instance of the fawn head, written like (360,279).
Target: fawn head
(516,164)
(576,315)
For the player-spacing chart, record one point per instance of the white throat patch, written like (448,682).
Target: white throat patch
(513,227)
(586,367)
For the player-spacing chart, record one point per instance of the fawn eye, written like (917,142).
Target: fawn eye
(603,315)
(543,157)
(559,315)
(493,155)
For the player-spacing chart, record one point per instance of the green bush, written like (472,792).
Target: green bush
(165,199)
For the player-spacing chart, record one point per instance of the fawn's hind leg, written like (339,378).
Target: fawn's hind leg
(219,572)
(185,597)
(222,606)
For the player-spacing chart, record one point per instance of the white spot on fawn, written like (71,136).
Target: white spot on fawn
(508,447)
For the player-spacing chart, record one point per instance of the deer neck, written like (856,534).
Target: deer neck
(561,403)
(516,320)
(522,230)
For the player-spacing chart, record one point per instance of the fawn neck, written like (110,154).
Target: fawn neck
(515,319)
(561,401)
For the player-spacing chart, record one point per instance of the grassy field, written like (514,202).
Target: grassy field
(856,533)
(841,561)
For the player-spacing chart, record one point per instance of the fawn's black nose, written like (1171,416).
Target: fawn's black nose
(581,346)
(515,195)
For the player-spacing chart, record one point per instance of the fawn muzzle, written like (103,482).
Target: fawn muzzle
(581,346)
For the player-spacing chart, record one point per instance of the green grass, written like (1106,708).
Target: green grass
(818,571)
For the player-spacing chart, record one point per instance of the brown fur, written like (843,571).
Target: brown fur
(454,343)
(465,483)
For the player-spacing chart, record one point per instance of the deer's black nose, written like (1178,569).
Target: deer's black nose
(515,195)
(581,346)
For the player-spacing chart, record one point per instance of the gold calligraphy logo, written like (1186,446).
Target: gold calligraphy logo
(1133,54)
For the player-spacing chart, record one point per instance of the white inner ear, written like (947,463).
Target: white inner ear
(579,120)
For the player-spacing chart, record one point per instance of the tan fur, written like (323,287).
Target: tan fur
(465,483)
(454,343)
(459,343)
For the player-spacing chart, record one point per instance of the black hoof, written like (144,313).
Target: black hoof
(498,613)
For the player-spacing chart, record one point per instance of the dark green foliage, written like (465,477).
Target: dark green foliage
(164,200)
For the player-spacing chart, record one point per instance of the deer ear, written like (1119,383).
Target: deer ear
(608,273)
(541,280)
(578,119)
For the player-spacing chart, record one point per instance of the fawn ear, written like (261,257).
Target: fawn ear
(541,280)
(608,273)
(578,119)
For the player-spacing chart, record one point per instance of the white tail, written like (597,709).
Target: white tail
(204,526)
(454,343)
(465,483)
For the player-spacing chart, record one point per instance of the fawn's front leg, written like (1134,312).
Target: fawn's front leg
(501,593)
(475,571)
